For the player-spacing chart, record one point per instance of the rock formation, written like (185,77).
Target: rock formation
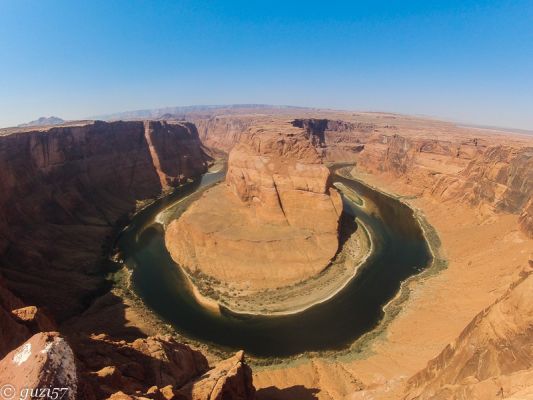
(418,161)
(273,223)
(144,368)
(222,133)
(160,367)
(231,379)
(493,356)
(62,192)
(41,367)
(526,218)
(63,189)
(13,332)
(340,140)
(499,178)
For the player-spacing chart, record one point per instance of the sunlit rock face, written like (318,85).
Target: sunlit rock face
(275,220)
(492,355)
(526,218)
(45,361)
(495,178)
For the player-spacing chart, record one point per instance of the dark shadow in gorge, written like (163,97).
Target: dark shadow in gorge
(347,227)
(297,392)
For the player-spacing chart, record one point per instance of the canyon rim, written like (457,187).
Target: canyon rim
(277,186)
(346,215)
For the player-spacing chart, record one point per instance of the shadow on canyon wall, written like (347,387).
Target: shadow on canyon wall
(299,392)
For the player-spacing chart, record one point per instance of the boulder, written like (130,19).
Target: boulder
(43,363)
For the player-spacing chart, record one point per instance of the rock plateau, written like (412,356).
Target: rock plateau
(273,223)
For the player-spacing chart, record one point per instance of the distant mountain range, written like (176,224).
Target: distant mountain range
(44,121)
(204,110)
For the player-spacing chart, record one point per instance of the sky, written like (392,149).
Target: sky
(467,61)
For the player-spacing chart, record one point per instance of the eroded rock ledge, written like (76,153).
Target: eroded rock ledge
(273,222)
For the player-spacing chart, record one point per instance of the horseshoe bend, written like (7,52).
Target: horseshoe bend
(358,227)
(273,223)
(318,231)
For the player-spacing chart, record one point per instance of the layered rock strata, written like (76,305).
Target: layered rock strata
(491,358)
(275,220)
(339,140)
(63,189)
(497,178)
(526,218)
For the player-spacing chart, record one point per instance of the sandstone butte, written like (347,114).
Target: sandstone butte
(274,221)
(464,333)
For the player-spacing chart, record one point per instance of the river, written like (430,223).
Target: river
(400,251)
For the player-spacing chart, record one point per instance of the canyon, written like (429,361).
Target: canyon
(462,332)
(64,193)
(474,186)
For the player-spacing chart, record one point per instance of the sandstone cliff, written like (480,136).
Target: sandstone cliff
(526,218)
(500,178)
(223,132)
(492,358)
(273,223)
(497,178)
(63,189)
(339,140)
(418,161)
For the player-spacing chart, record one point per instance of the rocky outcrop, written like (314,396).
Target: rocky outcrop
(153,368)
(526,218)
(222,133)
(229,380)
(273,223)
(492,357)
(63,189)
(499,178)
(109,366)
(42,367)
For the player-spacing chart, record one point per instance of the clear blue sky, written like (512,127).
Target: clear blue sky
(463,60)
